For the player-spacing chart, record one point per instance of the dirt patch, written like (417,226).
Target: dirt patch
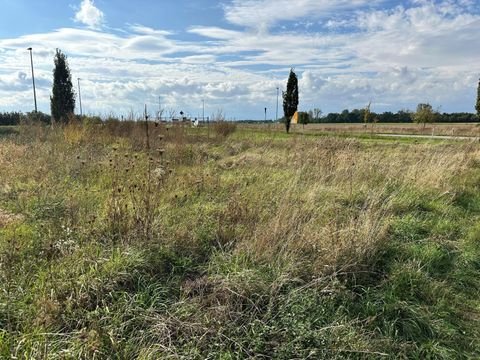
(249,160)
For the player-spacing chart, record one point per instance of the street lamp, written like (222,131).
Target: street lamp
(276,113)
(80,97)
(33,79)
(203,118)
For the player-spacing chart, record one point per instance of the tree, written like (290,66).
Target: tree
(477,106)
(62,101)
(424,114)
(317,114)
(367,114)
(303,118)
(290,99)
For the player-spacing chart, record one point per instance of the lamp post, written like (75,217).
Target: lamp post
(203,118)
(276,113)
(80,97)
(33,79)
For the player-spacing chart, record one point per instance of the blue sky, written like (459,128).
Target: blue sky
(235,53)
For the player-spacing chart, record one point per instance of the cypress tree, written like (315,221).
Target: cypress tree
(62,101)
(290,99)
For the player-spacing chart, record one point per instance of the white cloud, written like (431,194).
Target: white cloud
(264,13)
(397,57)
(88,14)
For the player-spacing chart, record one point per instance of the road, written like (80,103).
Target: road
(435,137)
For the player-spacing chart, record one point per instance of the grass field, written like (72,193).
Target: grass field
(122,243)
(442,129)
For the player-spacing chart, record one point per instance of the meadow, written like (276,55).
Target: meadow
(135,241)
(358,129)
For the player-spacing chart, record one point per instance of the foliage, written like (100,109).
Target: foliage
(367,114)
(303,118)
(16,118)
(425,114)
(290,99)
(10,118)
(62,100)
(224,128)
(317,114)
(266,247)
(477,106)
(38,117)
(402,116)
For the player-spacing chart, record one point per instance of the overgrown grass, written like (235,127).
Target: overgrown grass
(257,246)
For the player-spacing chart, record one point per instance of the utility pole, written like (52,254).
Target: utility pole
(80,97)
(33,79)
(276,113)
(203,118)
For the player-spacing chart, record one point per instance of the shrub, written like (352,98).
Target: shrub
(224,128)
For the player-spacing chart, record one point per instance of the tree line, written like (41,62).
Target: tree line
(424,113)
(402,116)
(16,118)
(346,116)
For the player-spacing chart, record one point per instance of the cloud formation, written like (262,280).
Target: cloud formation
(346,53)
(89,15)
(265,13)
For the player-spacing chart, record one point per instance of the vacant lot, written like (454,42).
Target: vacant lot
(118,242)
(444,129)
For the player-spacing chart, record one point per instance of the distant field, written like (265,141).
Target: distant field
(8,130)
(449,129)
(185,243)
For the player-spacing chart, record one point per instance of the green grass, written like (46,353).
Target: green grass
(8,130)
(259,245)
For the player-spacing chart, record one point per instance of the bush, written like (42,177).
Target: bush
(224,128)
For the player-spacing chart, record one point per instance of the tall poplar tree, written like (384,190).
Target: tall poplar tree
(62,101)
(290,99)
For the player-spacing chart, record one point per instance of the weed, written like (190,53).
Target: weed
(142,240)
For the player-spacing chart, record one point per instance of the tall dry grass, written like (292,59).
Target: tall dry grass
(333,209)
(191,247)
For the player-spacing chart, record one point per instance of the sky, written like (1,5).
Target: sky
(232,55)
